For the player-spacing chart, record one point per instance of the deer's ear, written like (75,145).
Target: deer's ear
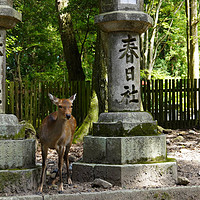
(53,99)
(72,98)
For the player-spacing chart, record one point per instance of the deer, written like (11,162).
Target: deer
(56,132)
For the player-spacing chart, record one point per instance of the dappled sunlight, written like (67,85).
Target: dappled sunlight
(185,148)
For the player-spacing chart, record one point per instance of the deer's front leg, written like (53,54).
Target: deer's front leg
(60,166)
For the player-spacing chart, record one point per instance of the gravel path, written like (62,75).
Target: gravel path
(183,145)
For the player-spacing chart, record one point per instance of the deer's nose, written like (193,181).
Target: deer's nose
(68,116)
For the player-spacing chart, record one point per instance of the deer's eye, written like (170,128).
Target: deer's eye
(59,106)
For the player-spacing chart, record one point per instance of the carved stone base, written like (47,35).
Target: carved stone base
(129,175)
(22,180)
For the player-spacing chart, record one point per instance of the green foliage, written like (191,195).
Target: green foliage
(35,44)
(83,12)
(171,53)
(174,48)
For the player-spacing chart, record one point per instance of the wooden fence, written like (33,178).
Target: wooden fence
(173,103)
(32,103)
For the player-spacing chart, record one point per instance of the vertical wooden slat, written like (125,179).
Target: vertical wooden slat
(26,88)
(198,103)
(166,104)
(185,102)
(12,98)
(148,97)
(170,103)
(156,100)
(181,102)
(31,104)
(195,102)
(17,99)
(39,106)
(192,103)
(188,102)
(21,102)
(161,102)
(177,102)
(173,102)
(6,97)
(144,94)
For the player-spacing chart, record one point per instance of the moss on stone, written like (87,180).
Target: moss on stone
(144,129)
(27,131)
(92,116)
(159,159)
(117,130)
(8,178)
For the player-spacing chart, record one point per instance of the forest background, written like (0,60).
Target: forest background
(57,39)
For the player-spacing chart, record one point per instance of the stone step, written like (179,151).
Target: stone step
(124,150)
(17,153)
(128,176)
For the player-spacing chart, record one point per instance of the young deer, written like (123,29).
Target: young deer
(56,132)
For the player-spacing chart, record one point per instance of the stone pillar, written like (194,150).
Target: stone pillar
(126,148)
(2,69)
(18,171)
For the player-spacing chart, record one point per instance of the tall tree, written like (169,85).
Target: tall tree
(193,47)
(70,48)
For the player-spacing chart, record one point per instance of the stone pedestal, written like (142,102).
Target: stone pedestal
(126,161)
(18,171)
(9,126)
(125,124)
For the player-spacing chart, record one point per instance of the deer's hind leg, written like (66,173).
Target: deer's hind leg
(44,166)
(66,157)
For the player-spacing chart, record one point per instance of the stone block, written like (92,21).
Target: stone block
(19,180)
(123,124)
(124,150)
(83,174)
(17,154)
(143,149)
(108,129)
(134,117)
(130,175)
(107,5)
(7,2)
(9,125)
(94,150)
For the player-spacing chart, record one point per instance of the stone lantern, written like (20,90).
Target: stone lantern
(126,148)
(18,170)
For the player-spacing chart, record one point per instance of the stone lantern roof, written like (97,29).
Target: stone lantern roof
(9,17)
(123,15)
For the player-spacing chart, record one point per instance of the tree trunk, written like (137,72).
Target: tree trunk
(100,79)
(98,102)
(194,47)
(152,42)
(70,48)
(187,11)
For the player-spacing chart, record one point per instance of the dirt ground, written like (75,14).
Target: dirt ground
(183,145)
